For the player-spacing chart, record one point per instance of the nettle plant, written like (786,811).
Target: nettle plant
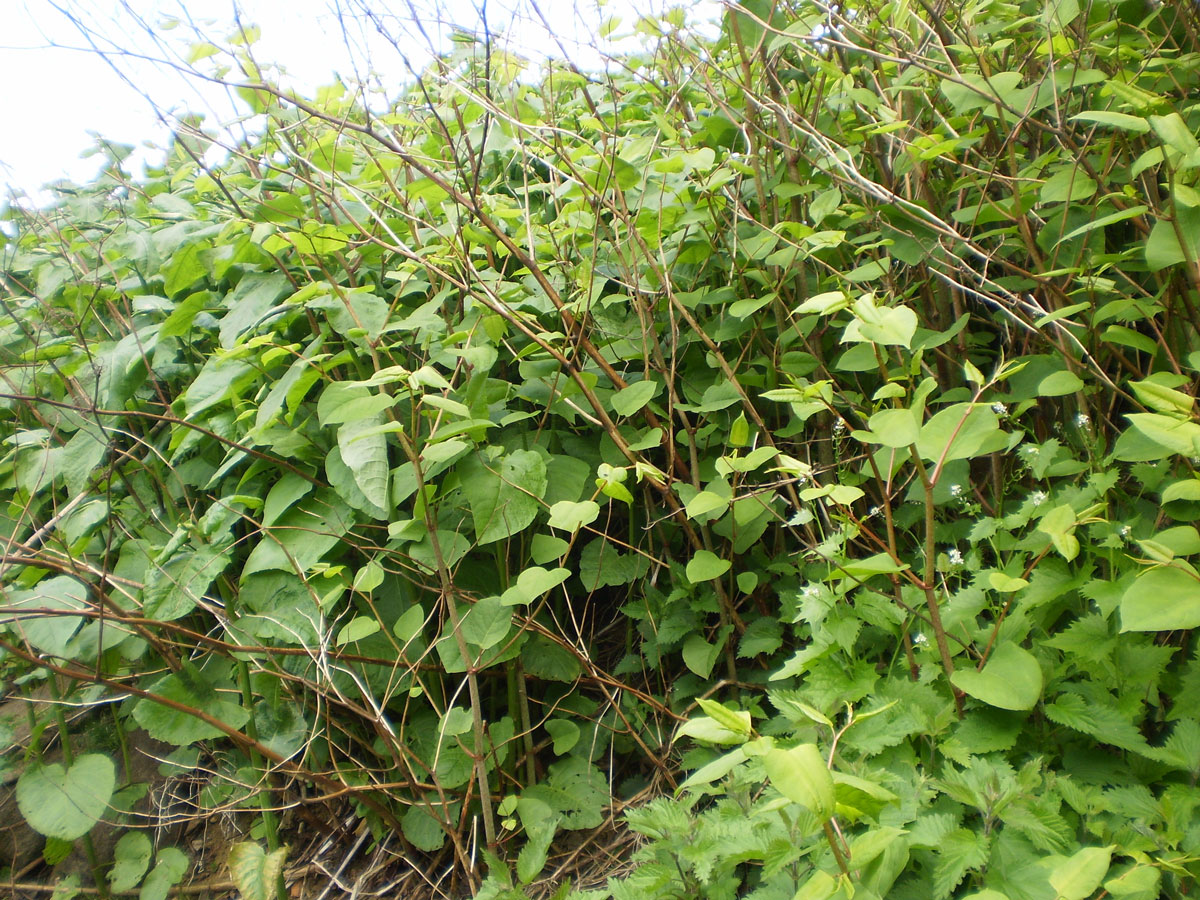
(808,408)
(999,702)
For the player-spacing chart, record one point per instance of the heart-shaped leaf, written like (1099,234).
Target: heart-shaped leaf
(255,871)
(1163,599)
(66,803)
(800,774)
(1011,679)
(705,566)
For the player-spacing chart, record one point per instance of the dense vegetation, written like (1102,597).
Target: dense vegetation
(781,448)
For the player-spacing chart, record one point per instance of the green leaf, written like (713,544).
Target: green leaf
(887,325)
(737,721)
(256,872)
(1177,435)
(859,798)
(1139,882)
(894,428)
(601,565)
(356,629)
(1078,876)
(1163,399)
(1175,133)
(532,583)
(961,431)
(567,515)
(504,496)
(1006,584)
(364,451)
(1060,524)
(801,775)
(549,660)
(1165,598)
(1011,679)
(369,577)
(1162,246)
(52,634)
(705,566)
(709,730)
(169,869)
(1122,121)
(185,268)
(706,503)
(1059,384)
(455,721)
(422,830)
(131,859)
(486,623)
(958,852)
(409,624)
(1068,185)
(718,768)
(175,726)
(699,655)
(65,803)
(631,399)
(565,735)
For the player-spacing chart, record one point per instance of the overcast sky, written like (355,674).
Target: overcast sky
(57,90)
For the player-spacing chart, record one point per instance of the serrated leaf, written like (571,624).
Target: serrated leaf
(958,853)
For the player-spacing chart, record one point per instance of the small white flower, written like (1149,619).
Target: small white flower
(839,426)
(920,639)
(1082,420)
(1124,531)
(956,490)
(874,511)
(955,556)
(1000,409)
(1038,497)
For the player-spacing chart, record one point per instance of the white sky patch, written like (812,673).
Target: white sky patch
(61,93)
